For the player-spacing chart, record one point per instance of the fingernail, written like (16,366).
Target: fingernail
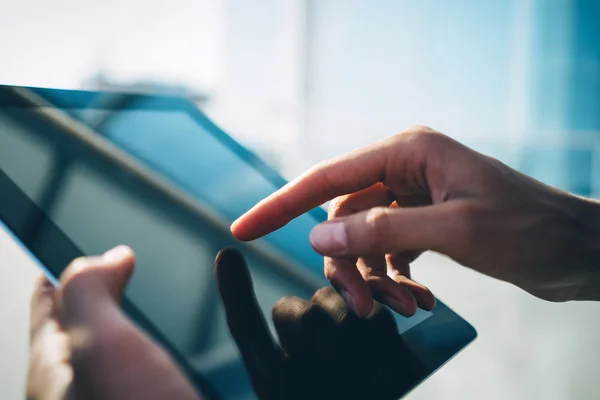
(330,238)
(350,301)
(116,253)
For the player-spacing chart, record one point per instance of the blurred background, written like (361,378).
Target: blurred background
(299,81)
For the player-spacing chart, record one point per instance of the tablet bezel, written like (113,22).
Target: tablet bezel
(435,340)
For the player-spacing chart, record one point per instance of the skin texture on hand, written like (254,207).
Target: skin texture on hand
(84,347)
(326,352)
(420,190)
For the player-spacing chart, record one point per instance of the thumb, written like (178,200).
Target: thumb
(90,287)
(384,230)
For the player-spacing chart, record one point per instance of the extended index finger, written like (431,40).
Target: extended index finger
(349,173)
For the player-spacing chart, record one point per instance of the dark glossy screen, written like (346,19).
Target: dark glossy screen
(99,203)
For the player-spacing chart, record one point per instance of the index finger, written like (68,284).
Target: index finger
(349,173)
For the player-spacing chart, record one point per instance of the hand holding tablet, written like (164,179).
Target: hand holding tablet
(83,346)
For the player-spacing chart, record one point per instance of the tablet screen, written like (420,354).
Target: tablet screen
(99,204)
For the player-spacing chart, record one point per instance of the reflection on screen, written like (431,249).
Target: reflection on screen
(99,205)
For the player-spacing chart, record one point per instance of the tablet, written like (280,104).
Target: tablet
(81,172)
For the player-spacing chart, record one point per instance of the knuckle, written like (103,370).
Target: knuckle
(337,207)
(281,306)
(422,137)
(290,309)
(374,280)
(332,272)
(324,293)
(421,129)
